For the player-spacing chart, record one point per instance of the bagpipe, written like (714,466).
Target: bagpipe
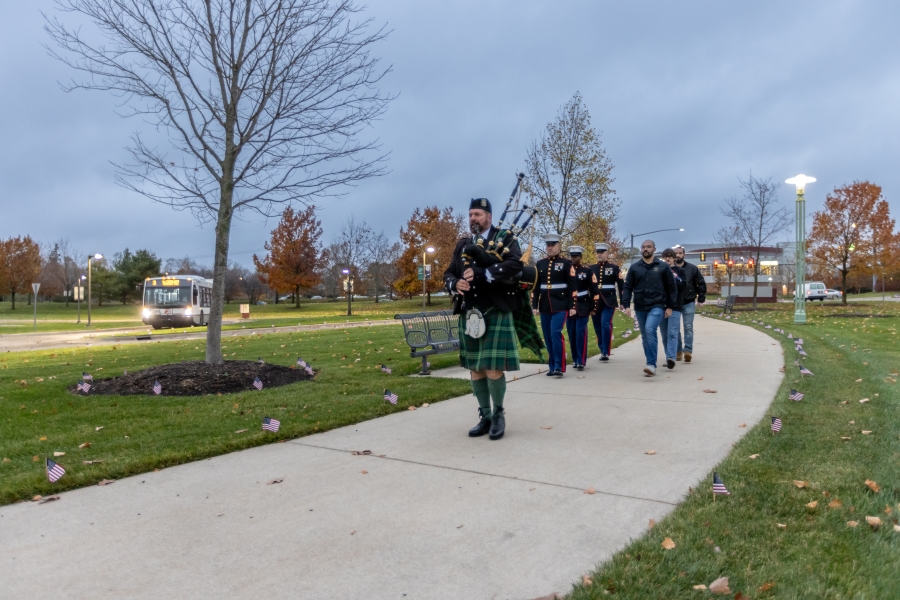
(497,249)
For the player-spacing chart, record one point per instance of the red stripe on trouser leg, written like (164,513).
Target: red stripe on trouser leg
(611,326)
(563,343)
(584,346)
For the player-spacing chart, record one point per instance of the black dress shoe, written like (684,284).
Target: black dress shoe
(604,357)
(557,373)
(579,367)
(670,364)
(498,426)
(484,425)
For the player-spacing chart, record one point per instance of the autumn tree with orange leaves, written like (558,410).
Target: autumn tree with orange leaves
(854,233)
(20,265)
(295,258)
(428,227)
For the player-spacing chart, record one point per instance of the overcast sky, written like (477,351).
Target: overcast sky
(689,97)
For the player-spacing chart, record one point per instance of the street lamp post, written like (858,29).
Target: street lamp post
(349,284)
(800,241)
(648,233)
(90,258)
(428,250)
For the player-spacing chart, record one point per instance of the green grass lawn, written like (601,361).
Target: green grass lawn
(767,536)
(140,433)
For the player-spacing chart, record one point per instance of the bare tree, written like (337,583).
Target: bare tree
(351,250)
(569,179)
(727,239)
(70,267)
(757,218)
(263,102)
(382,268)
(251,285)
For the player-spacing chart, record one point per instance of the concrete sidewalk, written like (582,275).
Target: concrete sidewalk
(440,515)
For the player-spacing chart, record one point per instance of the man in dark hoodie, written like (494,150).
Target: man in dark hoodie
(651,284)
(694,295)
(670,327)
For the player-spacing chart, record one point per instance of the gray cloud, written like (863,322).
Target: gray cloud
(689,97)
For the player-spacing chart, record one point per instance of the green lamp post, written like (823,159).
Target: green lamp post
(800,260)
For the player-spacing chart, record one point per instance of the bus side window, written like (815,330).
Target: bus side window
(196,293)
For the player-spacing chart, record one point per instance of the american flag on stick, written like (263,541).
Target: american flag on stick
(54,471)
(157,388)
(258,384)
(776,424)
(796,396)
(271,424)
(790,336)
(802,352)
(301,363)
(260,361)
(86,376)
(84,387)
(386,369)
(804,371)
(798,341)
(718,486)
(390,397)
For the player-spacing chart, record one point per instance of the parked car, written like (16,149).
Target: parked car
(833,294)
(814,290)
(261,303)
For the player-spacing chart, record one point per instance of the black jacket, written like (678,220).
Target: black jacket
(652,286)
(491,286)
(556,287)
(678,273)
(695,285)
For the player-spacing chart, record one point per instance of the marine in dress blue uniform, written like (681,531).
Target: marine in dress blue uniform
(587,294)
(609,280)
(554,299)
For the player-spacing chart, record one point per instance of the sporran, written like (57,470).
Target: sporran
(475,325)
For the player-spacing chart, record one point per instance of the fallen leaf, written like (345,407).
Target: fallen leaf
(710,392)
(590,490)
(873,486)
(586,580)
(91,462)
(36,498)
(866,431)
(361,452)
(700,586)
(780,525)
(742,425)
(668,544)
(546,426)
(460,527)
(353,532)
(364,472)
(274,481)
(846,438)
(650,452)
(765,587)
(412,408)
(864,400)
(651,524)
(242,430)
(35,458)
(425,405)
(859,381)
(853,422)
(59,454)
(720,586)
(852,523)
(48,499)
(700,379)
(874,522)
(813,504)
(740,595)
(801,484)
(85,445)
(43,438)
(106,481)
(844,402)
(835,503)
(98,428)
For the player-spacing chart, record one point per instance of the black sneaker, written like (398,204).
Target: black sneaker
(484,425)
(670,364)
(579,367)
(551,373)
(604,357)
(498,426)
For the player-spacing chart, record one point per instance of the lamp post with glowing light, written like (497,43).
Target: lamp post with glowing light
(428,250)
(90,258)
(800,267)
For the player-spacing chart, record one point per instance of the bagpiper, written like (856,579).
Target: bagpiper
(587,295)
(609,280)
(553,299)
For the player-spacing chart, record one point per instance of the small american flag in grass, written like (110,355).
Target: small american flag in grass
(84,387)
(802,352)
(805,371)
(87,376)
(776,424)
(790,336)
(301,363)
(258,384)
(54,471)
(271,424)
(390,397)
(798,341)
(260,361)
(157,388)
(718,486)
(796,396)
(386,369)
(124,372)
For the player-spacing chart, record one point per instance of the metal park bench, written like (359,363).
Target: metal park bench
(726,304)
(430,333)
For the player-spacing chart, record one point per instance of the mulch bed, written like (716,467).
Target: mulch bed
(197,378)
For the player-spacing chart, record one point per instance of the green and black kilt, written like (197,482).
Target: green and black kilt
(496,350)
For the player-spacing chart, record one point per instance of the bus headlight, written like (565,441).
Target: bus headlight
(147,313)
(188,312)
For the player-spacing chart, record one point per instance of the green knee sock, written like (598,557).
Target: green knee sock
(498,390)
(480,388)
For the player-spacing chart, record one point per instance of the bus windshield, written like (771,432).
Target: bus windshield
(168,296)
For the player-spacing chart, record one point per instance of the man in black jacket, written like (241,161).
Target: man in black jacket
(650,282)
(694,295)
(487,290)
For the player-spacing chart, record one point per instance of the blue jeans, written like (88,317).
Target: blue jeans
(669,330)
(687,315)
(577,328)
(552,326)
(649,320)
(603,327)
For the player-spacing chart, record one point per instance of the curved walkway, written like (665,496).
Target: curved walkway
(440,515)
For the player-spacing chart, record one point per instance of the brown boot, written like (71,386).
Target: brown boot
(679,356)
(687,357)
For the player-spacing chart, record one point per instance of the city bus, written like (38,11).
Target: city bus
(176,301)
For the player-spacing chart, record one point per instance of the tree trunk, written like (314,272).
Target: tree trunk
(297,296)
(13,295)
(844,287)
(220,266)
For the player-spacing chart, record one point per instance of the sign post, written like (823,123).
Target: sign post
(35,287)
